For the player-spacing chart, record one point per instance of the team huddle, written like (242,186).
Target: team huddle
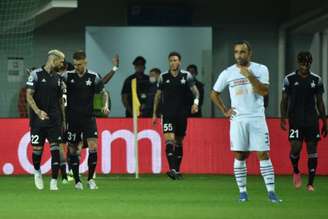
(62,111)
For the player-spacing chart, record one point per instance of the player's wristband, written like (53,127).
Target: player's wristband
(115,68)
(196,101)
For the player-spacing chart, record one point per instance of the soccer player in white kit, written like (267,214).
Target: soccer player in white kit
(248,82)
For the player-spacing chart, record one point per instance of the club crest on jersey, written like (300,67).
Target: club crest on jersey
(43,80)
(183,81)
(312,84)
(296,83)
(167,81)
(143,96)
(88,82)
(72,81)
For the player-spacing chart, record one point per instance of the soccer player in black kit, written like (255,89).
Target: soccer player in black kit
(82,84)
(173,87)
(44,96)
(302,104)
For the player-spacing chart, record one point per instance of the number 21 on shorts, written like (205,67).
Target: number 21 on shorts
(294,133)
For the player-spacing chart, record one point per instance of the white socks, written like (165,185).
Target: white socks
(268,174)
(240,172)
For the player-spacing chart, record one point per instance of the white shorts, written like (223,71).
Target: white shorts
(249,134)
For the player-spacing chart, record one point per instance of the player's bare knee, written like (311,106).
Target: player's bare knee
(37,150)
(263,155)
(296,147)
(73,149)
(93,144)
(311,147)
(169,137)
(241,155)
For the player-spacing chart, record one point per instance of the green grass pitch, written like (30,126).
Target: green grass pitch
(197,196)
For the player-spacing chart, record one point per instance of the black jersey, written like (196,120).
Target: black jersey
(47,94)
(302,98)
(174,99)
(80,93)
(143,85)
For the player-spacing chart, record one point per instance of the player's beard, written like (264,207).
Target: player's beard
(242,62)
(56,69)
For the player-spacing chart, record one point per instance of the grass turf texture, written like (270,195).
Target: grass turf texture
(197,196)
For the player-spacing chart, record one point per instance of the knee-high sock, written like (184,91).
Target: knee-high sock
(170,155)
(294,158)
(92,163)
(179,155)
(267,174)
(55,159)
(312,166)
(240,171)
(68,161)
(36,158)
(63,164)
(75,163)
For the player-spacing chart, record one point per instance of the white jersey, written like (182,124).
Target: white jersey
(244,100)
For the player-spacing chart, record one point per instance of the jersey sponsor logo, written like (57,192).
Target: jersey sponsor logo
(312,84)
(88,82)
(238,82)
(241,91)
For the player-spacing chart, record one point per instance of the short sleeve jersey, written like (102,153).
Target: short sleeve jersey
(47,89)
(244,100)
(175,91)
(301,94)
(80,92)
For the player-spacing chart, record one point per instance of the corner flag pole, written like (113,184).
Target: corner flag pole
(136,113)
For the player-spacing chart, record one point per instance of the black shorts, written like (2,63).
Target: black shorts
(39,135)
(81,127)
(306,133)
(175,124)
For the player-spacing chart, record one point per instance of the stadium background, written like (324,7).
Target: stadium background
(277,30)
